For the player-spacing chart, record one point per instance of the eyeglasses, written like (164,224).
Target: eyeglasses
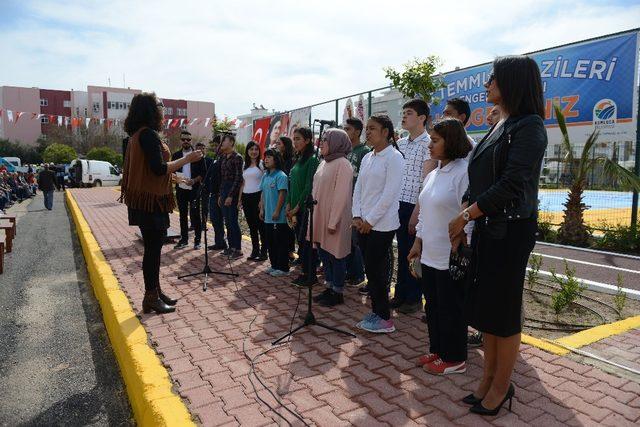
(185,139)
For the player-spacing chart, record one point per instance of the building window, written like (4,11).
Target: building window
(66,103)
(121,105)
(44,102)
(181,111)
(168,111)
(96,107)
(44,119)
(43,137)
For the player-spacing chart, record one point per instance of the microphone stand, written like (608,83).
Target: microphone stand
(309,318)
(206,270)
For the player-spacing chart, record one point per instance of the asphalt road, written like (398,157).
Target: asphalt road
(56,364)
(593,266)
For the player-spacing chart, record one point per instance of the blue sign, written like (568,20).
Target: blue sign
(594,82)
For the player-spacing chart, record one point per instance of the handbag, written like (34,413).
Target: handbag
(459,262)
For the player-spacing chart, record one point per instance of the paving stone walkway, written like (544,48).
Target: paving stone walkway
(327,379)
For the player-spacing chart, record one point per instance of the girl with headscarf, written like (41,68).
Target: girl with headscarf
(332,184)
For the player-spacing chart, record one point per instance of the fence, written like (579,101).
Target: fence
(587,99)
(606,201)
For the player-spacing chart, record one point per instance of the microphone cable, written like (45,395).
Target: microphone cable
(253,360)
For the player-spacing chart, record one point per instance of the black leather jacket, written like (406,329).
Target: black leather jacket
(504,170)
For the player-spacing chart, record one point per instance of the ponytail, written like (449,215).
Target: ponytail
(386,123)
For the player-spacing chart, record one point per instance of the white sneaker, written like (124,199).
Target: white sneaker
(279,273)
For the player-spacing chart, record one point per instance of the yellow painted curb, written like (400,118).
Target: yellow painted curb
(147,381)
(544,345)
(583,338)
(589,336)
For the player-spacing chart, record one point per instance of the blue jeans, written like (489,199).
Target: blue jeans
(216,219)
(48,199)
(230,215)
(335,270)
(407,287)
(355,262)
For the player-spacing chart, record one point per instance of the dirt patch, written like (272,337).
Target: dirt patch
(590,309)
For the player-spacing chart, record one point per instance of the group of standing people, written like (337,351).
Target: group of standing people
(464,217)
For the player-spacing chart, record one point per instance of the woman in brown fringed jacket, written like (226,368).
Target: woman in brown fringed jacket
(146,190)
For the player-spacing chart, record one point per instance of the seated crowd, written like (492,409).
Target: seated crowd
(16,187)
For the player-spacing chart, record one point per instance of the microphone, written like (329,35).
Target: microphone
(326,122)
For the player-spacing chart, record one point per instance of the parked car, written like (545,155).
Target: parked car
(16,164)
(93,173)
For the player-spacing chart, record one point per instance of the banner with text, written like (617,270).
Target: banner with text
(594,82)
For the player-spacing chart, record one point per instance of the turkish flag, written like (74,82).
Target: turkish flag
(260,130)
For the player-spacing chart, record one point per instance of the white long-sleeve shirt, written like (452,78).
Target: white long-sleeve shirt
(440,202)
(377,192)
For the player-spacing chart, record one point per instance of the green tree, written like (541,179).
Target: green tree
(418,78)
(27,154)
(573,229)
(59,153)
(105,154)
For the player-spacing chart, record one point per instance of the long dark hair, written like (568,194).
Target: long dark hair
(288,148)
(520,84)
(309,149)
(386,123)
(144,112)
(277,157)
(456,143)
(247,159)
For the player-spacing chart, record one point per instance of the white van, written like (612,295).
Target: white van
(93,173)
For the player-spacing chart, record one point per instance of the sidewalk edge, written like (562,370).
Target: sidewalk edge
(147,381)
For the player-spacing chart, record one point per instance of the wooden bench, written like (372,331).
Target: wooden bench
(3,241)
(12,219)
(8,228)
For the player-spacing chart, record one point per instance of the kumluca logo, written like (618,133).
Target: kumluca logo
(605,113)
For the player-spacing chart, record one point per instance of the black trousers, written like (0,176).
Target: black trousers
(305,249)
(153,240)
(189,204)
(445,318)
(251,211)
(375,249)
(277,239)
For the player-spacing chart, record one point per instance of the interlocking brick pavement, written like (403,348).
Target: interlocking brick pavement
(329,379)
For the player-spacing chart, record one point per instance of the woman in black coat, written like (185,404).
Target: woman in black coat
(502,199)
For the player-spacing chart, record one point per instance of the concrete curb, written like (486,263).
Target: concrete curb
(147,381)
(584,338)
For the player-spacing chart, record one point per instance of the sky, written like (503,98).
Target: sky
(281,54)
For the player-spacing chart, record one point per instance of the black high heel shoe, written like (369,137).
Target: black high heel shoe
(481,410)
(471,399)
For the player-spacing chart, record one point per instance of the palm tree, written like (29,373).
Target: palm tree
(573,229)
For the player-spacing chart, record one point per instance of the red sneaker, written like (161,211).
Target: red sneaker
(440,367)
(427,358)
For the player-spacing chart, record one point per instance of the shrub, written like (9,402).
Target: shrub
(546,231)
(105,154)
(621,238)
(570,288)
(59,153)
(620,298)
(24,152)
(535,262)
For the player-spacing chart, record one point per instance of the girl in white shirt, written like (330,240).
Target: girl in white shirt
(375,216)
(440,201)
(251,177)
